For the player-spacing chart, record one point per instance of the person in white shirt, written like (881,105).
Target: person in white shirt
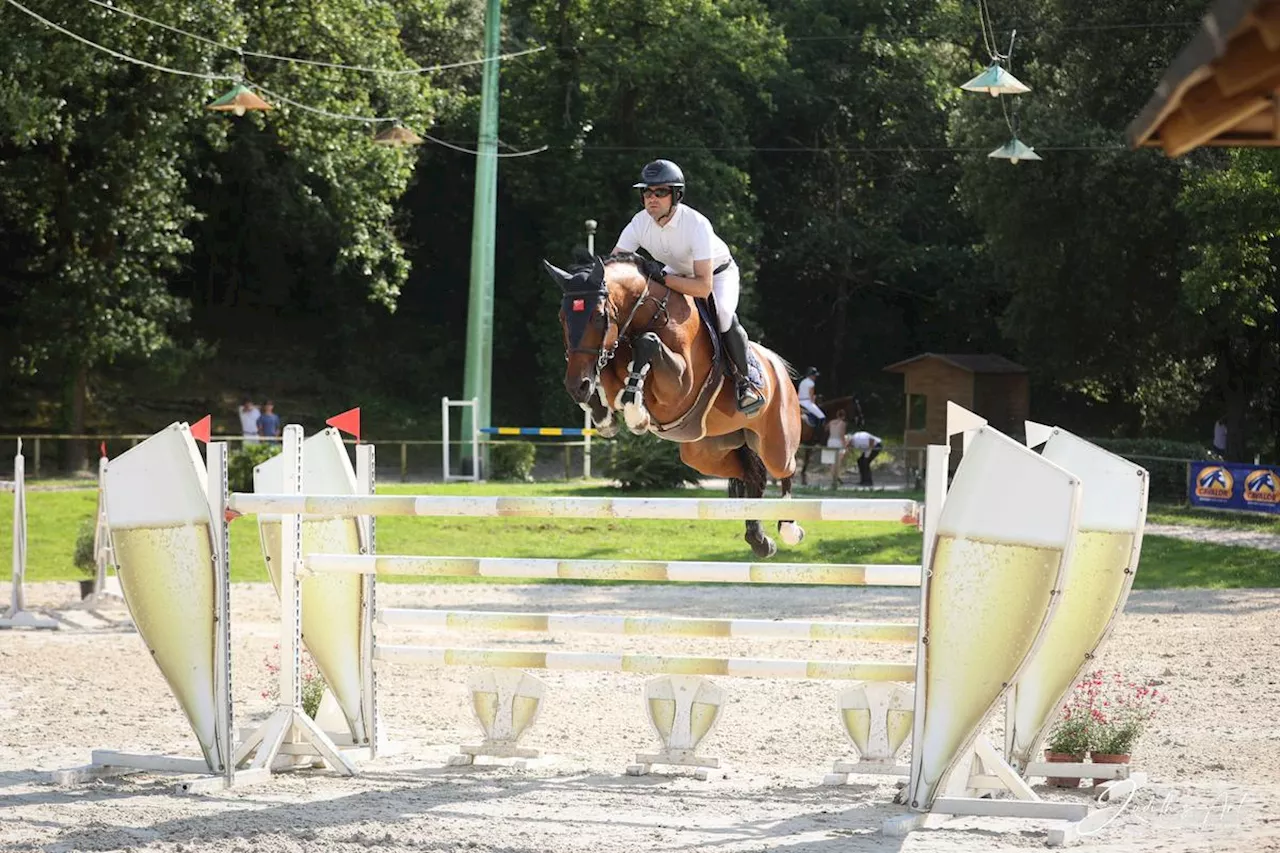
(690,259)
(869,446)
(808,399)
(249,414)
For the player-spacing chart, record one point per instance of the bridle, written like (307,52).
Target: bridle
(605,355)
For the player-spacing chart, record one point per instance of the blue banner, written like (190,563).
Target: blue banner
(1226,485)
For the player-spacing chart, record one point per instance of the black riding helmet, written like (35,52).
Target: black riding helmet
(812,371)
(662,173)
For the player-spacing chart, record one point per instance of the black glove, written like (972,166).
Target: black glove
(654,270)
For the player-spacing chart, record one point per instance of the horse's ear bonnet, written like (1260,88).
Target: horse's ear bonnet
(584,292)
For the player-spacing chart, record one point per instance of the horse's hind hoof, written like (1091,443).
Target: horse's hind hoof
(790,532)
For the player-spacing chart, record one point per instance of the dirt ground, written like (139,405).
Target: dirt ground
(1213,755)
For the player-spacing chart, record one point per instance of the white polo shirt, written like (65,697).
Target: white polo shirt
(864,440)
(686,237)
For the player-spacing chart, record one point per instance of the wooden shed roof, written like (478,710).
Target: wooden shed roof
(1221,89)
(973,363)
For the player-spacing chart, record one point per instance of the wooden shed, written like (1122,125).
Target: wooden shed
(990,385)
(1220,90)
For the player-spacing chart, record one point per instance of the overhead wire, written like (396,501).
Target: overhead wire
(111,7)
(240,78)
(203,75)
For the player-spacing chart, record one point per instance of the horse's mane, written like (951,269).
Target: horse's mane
(583,260)
(623,258)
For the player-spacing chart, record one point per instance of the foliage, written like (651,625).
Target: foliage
(83,557)
(1231,283)
(240,465)
(512,460)
(141,235)
(310,681)
(647,462)
(1105,713)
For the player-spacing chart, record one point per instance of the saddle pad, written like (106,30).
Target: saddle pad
(707,313)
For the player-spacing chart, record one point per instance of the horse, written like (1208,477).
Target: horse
(635,345)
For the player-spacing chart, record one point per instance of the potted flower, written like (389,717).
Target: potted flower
(1121,713)
(1070,738)
(309,680)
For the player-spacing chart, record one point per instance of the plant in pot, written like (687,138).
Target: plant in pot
(83,557)
(310,681)
(1123,709)
(1070,737)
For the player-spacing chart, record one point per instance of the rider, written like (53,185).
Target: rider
(690,259)
(808,400)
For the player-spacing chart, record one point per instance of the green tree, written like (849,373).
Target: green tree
(1083,249)
(1232,285)
(864,249)
(93,204)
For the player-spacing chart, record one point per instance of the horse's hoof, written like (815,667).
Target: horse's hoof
(763,549)
(790,532)
(637,418)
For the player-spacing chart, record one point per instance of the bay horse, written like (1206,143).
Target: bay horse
(635,345)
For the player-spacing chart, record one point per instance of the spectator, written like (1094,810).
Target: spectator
(249,414)
(269,421)
(837,441)
(869,447)
(1220,436)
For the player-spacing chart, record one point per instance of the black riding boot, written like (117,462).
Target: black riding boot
(750,400)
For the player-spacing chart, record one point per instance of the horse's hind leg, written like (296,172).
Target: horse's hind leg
(753,482)
(788,530)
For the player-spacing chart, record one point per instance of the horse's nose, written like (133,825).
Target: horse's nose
(579,388)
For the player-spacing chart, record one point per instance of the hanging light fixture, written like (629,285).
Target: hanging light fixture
(396,136)
(238,101)
(1014,150)
(995,81)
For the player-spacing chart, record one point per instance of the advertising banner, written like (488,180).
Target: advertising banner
(1227,485)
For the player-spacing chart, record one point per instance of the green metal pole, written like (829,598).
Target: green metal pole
(479,366)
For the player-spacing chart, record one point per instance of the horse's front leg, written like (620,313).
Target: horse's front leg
(647,353)
(601,414)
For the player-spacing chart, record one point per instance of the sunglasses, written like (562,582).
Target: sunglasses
(660,192)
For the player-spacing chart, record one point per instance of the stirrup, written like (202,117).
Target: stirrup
(750,400)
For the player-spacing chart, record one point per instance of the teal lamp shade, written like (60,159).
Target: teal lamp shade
(1014,150)
(996,81)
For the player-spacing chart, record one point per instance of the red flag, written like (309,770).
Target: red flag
(102,448)
(201,429)
(348,422)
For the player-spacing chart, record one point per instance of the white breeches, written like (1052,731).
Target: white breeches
(725,288)
(812,408)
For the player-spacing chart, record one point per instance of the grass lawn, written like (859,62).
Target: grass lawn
(1196,517)
(54,516)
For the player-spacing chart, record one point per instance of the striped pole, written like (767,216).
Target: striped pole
(614,570)
(650,626)
(719,509)
(573,431)
(649,664)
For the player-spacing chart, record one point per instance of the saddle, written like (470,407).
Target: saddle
(691,426)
